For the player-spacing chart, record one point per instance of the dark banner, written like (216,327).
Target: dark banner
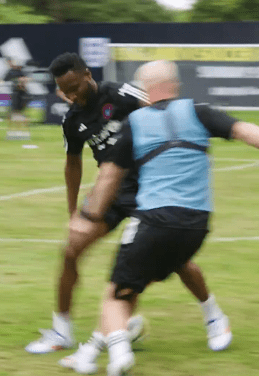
(47,41)
(223,84)
(231,81)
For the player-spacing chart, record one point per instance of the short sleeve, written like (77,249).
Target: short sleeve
(72,145)
(218,123)
(122,151)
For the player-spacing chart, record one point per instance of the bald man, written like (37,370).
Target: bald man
(168,141)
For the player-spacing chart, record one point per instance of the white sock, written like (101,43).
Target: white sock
(118,344)
(98,341)
(210,309)
(62,325)
(94,346)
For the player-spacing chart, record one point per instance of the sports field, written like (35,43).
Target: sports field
(33,220)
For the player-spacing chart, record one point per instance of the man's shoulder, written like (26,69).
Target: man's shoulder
(68,115)
(122,91)
(201,105)
(108,86)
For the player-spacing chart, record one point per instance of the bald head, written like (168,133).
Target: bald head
(159,78)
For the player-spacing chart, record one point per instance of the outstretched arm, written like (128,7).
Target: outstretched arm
(246,132)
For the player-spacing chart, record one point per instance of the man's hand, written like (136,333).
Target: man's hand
(246,132)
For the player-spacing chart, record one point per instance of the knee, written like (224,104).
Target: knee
(187,269)
(125,293)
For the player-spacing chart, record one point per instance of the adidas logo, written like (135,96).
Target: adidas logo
(82,127)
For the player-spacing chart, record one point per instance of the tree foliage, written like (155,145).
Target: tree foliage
(225,10)
(99,10)
(38,11)
(20,14)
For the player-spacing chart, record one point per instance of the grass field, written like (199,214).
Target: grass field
(33,219)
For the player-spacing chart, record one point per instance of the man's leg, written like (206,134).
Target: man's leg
(122,305)
(78,243)
(217,324)
(193,279)
(61,336)
(115,314)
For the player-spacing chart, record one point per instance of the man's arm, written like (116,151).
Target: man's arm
(247,132)
(111,174)
(73,175)
(104,192)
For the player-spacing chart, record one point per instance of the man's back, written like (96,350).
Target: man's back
(178,176)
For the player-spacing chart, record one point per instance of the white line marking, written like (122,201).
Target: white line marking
(241,167)
(236,160)
(54,241)
(51,159)
(215,240)
(38,191)
(61,159)
(61,188)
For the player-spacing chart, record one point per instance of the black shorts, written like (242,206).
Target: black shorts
(123,207)
(148,253)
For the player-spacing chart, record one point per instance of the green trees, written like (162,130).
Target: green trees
(97,10)
(40,11)
(225,10)
(20,14)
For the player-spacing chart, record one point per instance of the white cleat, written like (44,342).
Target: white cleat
(122,366)
(219,334)
(82,361)
(137,329)
(50,341)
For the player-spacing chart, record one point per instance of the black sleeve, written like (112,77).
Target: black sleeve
(132,96)
(218,123)
(72,145)
(122,152)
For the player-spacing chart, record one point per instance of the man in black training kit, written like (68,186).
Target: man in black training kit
(95,117)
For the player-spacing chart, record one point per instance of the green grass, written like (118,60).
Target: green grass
(177,344)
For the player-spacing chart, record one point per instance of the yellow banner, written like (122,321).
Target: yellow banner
(185,53)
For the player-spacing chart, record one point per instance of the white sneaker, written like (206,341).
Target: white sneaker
(219,334)
(49,342)
(137,328)
(82,361)
(122,365)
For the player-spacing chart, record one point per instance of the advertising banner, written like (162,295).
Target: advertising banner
(224,75)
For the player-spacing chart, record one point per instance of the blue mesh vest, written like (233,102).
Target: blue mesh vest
(178,176)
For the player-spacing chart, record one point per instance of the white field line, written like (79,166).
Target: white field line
(38,191)
(236,159)
(51,159)
(240,167)
(92,160)
(61,188)
(54,241)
